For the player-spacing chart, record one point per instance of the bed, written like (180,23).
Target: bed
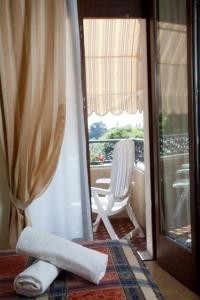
(126,277)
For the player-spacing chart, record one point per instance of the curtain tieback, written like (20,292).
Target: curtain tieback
(17,203)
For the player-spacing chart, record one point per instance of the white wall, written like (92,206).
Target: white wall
(138,197)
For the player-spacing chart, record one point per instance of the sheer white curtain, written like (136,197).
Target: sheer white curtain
(64,208)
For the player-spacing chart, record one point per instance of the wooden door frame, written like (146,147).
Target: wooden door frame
(178,252)
(101,9)
(153,120)
(105,9)
(84,93)
(194,76)
(194,148)
(119,9)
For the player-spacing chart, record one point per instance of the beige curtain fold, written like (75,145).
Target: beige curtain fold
(32,100)
(114,65)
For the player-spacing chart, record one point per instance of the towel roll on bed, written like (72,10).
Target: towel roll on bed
(34,280)
(64,254)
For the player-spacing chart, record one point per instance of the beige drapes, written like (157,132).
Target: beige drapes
(32,100)
(114,59)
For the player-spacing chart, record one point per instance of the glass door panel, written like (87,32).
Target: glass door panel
(173,121)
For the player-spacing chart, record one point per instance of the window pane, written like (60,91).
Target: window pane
(173,120)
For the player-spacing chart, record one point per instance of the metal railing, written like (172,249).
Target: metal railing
(101,151)
(174,144)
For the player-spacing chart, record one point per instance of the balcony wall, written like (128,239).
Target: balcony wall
(138,198)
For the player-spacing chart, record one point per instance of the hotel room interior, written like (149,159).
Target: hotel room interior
(99,218)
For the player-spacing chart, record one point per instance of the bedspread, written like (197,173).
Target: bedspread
(126,277)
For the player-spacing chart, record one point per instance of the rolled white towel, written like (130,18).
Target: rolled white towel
(67,255)
(36,278)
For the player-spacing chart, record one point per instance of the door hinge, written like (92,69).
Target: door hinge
(81,31)
(84,103)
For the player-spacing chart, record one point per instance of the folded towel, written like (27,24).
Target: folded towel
(67,255)
(36,278)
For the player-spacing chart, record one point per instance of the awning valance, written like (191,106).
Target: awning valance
(115,57)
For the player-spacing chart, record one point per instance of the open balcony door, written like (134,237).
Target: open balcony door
(123,9)
(174,137)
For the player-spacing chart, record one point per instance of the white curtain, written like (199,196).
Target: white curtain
(64,209)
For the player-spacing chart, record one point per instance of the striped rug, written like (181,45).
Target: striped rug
(126,277)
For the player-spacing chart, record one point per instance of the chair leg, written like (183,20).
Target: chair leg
(104,217)
(109,227)
(135,223)
(96,223)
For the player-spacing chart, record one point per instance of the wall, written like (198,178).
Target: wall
(4,204)
(138,198)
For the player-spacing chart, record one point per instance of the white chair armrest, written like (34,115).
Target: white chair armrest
(185,166)
(99,191)
(183,171)
(103,180)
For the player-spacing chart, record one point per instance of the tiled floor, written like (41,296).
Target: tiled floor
(122,226)
(182,235)
(171,288)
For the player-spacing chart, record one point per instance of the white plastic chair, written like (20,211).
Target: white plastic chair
(182,184)
(115,199)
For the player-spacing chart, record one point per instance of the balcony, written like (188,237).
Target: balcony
(174,152)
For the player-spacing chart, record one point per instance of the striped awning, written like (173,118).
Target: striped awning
(172,62)
(115,59)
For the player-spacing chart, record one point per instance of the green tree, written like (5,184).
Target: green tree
(97,129)
(95,150)
(120,133)
(173,123)
(124,132)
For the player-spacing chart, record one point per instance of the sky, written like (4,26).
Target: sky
(136,120)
